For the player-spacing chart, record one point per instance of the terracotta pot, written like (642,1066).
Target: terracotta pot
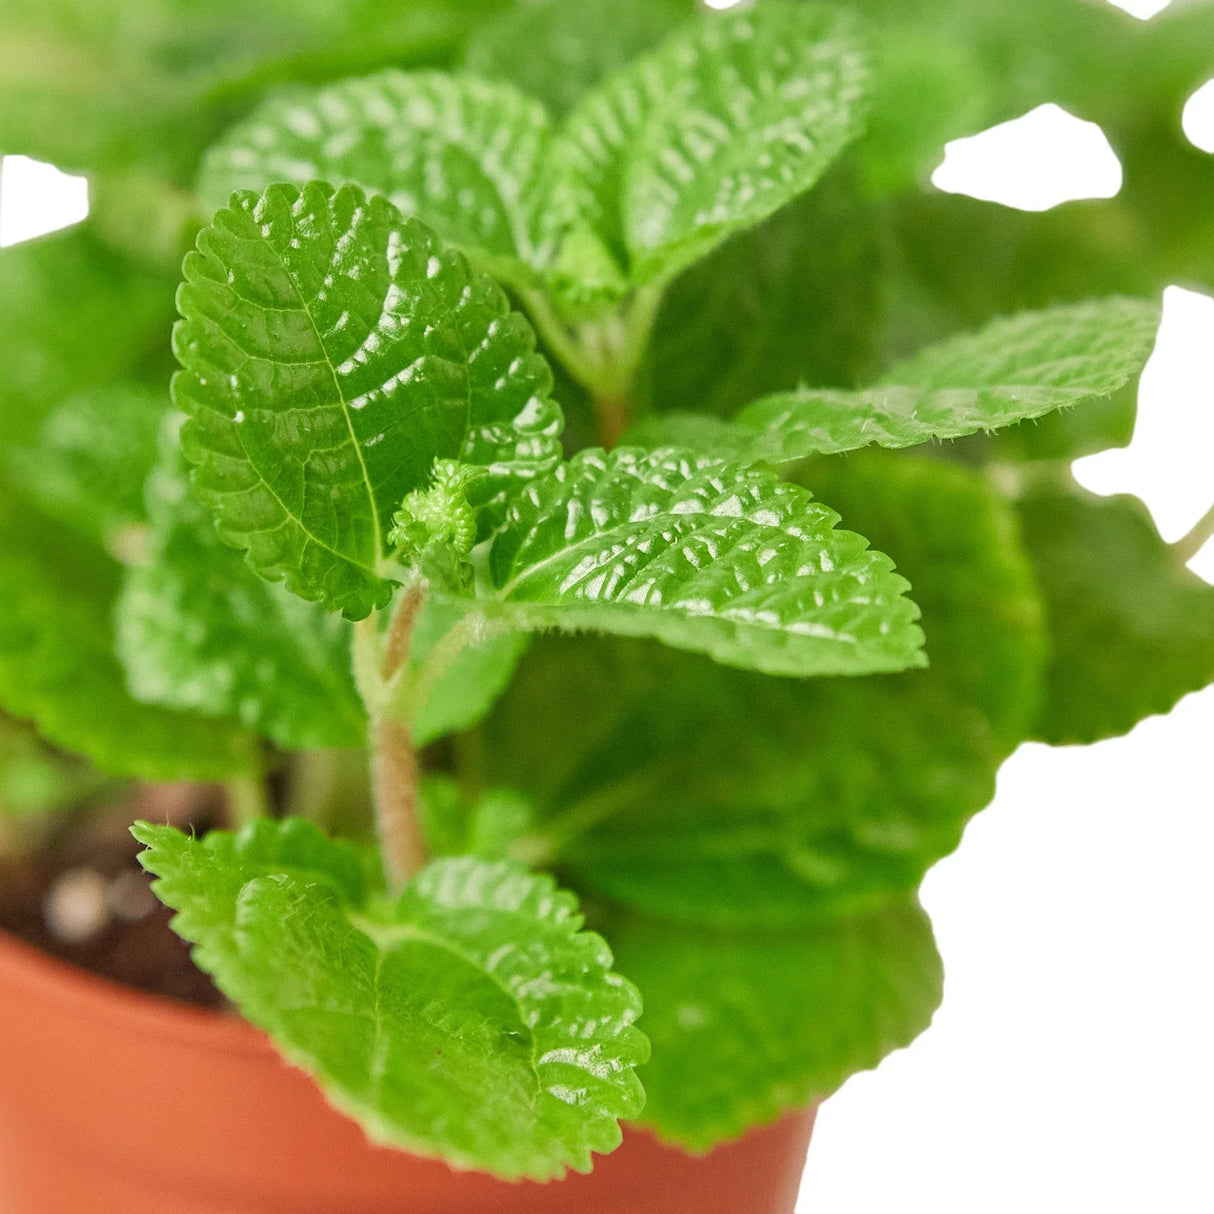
(113,1102)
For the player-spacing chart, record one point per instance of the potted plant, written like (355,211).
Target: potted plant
(514,731)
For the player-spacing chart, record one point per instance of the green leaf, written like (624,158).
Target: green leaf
(57,342)
(36,779)
(462,155)
(91,459)
(1065,435)
(1057,356)
(1017,368)
(103,84)
(1131,629)
(484,827)
(457,684)
(703,556)
(953,531)
(714,796)
(199,631)
(928,86)
(556,50)
(472,1019)
(717,129)
(747,1027)
(333,351)
(58,668)
(798,299)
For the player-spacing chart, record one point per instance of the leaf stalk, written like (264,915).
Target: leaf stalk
(380,664)
(1190,544)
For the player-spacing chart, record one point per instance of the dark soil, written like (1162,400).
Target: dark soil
(85,899)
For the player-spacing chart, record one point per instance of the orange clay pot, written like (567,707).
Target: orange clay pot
(114,1102)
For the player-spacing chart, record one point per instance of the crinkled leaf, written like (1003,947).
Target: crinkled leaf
(91,460)
(198,630)
(1017,368)
(701,555)
(747,1027)
(464,687)
(556,50)
(58,667)
(716,796)
(333,351)
(472,1019)
(1057,356)
(1131,629)
(717,129)
(462,155)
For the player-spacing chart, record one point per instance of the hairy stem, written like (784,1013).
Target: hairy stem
(380,665)
(394,773)
(400,635)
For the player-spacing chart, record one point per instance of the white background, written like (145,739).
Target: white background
(1071,1068)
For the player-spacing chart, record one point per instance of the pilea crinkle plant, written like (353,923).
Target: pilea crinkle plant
(582,762)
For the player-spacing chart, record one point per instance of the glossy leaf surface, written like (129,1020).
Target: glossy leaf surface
(333,351)
(472,1019)
(703,556)
(463,155)
(722,125)
(711,795)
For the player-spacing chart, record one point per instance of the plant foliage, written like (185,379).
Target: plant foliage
(543,378)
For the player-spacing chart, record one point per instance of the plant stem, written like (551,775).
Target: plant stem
(615,416)
(247,799)
(1188,546)
(561,340)
(400,635)
(380,665)
(409,692)
(394,772)
(603,356)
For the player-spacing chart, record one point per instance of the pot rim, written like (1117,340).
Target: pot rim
(46,976)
